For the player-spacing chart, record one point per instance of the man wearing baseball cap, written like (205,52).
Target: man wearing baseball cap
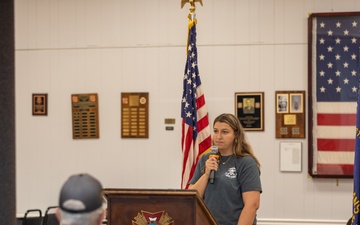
(81,201)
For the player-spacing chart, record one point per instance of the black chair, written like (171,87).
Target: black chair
(19,220)
(30,219)
(50,217)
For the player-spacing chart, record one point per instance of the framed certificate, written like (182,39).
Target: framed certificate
(290,156)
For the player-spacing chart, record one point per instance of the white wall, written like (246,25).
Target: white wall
(113,46)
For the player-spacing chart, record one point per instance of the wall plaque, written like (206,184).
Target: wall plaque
(85,116)
(39,104)
(134,115)
(249,109)
(290,114)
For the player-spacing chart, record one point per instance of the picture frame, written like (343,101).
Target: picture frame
(296,103)
(282,102)
(39,104)
(249,109)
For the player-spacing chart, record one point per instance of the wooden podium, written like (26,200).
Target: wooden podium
(156,207)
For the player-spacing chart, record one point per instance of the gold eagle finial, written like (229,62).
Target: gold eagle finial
(192,2)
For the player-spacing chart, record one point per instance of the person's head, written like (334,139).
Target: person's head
(81,201)
(229,131)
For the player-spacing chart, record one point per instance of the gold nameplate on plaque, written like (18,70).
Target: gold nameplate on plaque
(134,115)
(170,121)
(85,116)
(290,119)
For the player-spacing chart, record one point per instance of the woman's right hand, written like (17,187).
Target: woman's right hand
(211,164)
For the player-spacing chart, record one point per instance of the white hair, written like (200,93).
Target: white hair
(89,218)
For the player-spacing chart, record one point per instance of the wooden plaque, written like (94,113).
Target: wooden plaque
(135,115)
(85,116)
(290,114)
(39,104)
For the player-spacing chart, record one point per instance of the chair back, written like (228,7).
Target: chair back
(32,217)
(50,217)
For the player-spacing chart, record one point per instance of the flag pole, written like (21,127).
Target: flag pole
(192,14)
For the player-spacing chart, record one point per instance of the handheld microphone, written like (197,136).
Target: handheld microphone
(213,154)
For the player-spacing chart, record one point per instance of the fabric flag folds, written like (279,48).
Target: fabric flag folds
(356,194)
(356,207)
(335,52)
(196,136)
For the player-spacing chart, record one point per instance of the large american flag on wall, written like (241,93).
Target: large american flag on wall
(334,40)
(196,136)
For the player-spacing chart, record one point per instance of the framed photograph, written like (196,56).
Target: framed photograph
(282,103)
(296,103)
(249,108)
(333,86)
(39,104)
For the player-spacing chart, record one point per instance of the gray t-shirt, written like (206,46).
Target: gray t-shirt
(224,196)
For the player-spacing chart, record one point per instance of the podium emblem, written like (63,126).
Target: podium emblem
(148,218)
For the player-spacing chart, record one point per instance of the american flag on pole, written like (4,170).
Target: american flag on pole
(196,136)
(335,40)
(356,204)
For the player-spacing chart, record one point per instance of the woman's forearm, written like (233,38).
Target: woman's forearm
(200,185)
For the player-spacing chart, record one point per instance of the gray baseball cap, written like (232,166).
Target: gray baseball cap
(81,193)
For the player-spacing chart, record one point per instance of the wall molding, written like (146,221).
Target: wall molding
(269,221)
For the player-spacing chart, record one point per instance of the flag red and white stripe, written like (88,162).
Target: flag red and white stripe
(335,140)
